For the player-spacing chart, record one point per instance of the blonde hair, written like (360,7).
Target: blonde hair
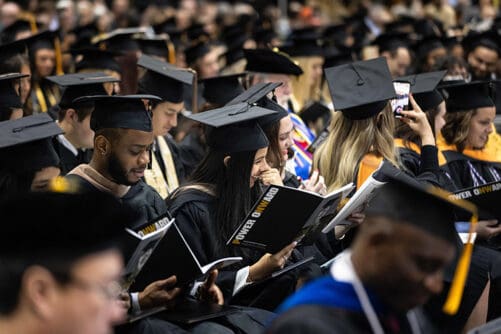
(349,141)
(303,89)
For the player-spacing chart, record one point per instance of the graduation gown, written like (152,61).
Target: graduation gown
(194,213)
(69,160)
(140,196)
(191,151)
(331,305)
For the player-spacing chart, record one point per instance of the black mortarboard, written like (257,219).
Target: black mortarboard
(196,32)
(164,80)
(222,89)
(403,24)
(169,27)
(120,39)
(234,128)
(424,46)
(10,32)
(270,61)
(97,59)
(9,97)
(334,56)
(10,50)
(84,35)
(360,89)
(314,111)
(269,120)
(25,143)
(405,200)
(196,51)
(469,95)
(120,112)
(154,46)
(304,42)
(488,39)
(424,88)
(264,36)
(97,219)
(429,27)
(335,35)
(80,84)
(43,40)
(391,41)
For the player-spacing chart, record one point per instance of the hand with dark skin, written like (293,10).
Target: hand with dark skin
(159,293)
(209,291)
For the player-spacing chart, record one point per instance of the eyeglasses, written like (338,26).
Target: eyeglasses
(111,290)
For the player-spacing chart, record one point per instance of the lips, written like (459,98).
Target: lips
(138,172)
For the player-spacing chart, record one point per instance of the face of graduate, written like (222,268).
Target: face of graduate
(45,61)
(480,127)
(165,117)
(434,56)
(43,177)
(259,166)
(83,135)
(406,266)
(316,69)
(88,304)
(285,140)
(208,65)
(482,62)
(25,83)
(440,117)
(129,156)
(399,62)
(283,92)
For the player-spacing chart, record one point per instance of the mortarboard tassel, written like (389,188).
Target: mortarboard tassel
(456,290)
(59,57)
(171,53)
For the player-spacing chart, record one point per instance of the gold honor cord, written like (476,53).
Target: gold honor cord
(59,56)
(40,99)
(455,295)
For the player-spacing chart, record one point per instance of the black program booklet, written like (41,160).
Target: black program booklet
(486,197)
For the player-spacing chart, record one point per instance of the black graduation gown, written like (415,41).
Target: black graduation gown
(424,167)
(68,161)
(176,158)
(140,197)
(468,172)
(191,151)
(193,211)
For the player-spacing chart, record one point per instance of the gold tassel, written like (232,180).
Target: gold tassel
(59,56)
(455,295)
(171,55)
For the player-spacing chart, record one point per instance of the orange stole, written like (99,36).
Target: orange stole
(491,152)
(370,162)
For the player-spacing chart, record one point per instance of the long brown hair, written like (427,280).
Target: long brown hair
(348,142)
(456,128)
(274,156)
(404,132)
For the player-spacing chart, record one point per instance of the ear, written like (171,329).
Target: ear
(71,114)
(38,292)
(226,160)
(102,145)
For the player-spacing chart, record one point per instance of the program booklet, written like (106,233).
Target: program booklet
(140,244)
(486,197)
(283,215)
(358,202)
(173,256)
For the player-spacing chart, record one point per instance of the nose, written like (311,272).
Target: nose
(173,121)
(490,129)
(144,158)
(434,282)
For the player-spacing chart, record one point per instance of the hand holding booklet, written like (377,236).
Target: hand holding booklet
(283,215)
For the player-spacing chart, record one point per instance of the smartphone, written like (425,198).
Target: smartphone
(402,89)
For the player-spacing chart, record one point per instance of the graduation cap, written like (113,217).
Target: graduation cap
(360,89)
(234,126)
(304,42)
(424,46)
(314,111)
(120,39)
(10,50)
(197,32)
(97,219)
(488,39)
(155,46)
(45,40)
(406,201)
(335,34)
(84,35)
(25,143)
(464,96)
(120,111)
(97,59)
(10,33)
(80,84)
(404,23)
(222,89)
(196,51)
(264,36)
(270,61)
(391,41)
(164,80)
(9,97)
(424,88)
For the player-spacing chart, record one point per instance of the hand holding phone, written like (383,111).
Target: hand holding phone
(402,89)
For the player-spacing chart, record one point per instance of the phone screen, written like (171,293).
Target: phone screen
(402,101)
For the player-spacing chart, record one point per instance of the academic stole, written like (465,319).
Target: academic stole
(42,102)
(154,176)
(368,165)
